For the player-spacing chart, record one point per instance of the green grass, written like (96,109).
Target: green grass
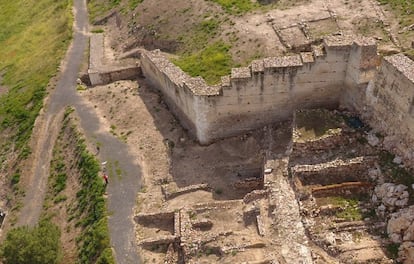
(98,8)
(34,35)
(351,210)
(211,63)
(404,9)
(35,245)
(134,3)
(90,207)
(237,6)
(94,246)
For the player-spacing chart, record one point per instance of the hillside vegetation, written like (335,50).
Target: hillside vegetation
(34,35)
(208,37)
(74,201)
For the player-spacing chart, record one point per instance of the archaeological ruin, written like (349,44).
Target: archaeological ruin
(349,126)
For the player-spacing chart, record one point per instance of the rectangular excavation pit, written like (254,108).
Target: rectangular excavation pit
(315,124)
(217,218)
(239,181)
(319,28)
(157,224)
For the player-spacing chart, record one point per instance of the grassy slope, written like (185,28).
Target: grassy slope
(34,35)
(202,52)
(83,216)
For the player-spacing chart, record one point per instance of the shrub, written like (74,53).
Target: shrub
(38,245)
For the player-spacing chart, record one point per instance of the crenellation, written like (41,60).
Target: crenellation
(257,66)
(282,62)
(403,65)
(318,51)
(225,82)
(336,72)
(339,43)
(307,57)
(199,87)
(240,74)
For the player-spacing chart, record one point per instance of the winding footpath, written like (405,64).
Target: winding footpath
(123,189)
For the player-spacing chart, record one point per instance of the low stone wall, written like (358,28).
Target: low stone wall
(155,216)
(101,72)
(333,172)
(343,189)
(188,189)
(160,240)
(285,213)
(255,195)
(266,91)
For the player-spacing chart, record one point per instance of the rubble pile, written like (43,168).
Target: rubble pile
(400,230)
(390,196)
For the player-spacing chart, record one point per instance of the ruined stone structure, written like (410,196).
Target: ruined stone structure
(390,104)
(340,72)
(101,71)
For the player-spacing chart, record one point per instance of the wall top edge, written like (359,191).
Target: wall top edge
(282,62)
(403,64)
(199,87)
(346,41)
(240,73)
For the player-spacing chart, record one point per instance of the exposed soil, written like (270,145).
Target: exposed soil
(60,208)
(270,31)
(171,160)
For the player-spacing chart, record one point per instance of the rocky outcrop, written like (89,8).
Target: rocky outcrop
(390,196)
(400,229)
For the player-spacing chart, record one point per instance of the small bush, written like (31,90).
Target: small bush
(38,245)
(15,179)
(392,250)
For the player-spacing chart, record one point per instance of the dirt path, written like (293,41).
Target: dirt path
(47,125)
(122,189)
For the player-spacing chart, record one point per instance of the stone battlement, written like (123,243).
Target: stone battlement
(341,71)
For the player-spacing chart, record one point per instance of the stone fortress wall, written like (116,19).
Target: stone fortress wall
(390,104)
(341,71)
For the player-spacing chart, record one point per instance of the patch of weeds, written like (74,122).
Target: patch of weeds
(134,3)
(211,63)
(143,189)
(90,207)
(192,215)
(404,9)
(362,140)
(237,6)
(60,198)
(350,209)
(392,250)
(112,130)
(15,179)
(218,191)
(80,87)
(99,8)
(98,30)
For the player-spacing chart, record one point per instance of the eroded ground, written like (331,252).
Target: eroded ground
(223,203)
(294,192)
(180,27)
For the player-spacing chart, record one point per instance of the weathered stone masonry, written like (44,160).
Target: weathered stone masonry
(341,71)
